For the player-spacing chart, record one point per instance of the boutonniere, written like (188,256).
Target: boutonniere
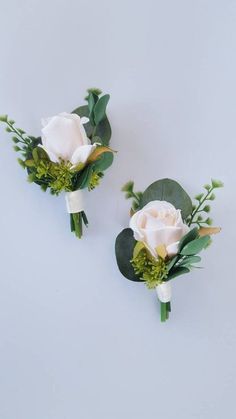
(165,236)
(71,154)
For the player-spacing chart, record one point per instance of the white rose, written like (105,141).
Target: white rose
(64,137)
(159,222)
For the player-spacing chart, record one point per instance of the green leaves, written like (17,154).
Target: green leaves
(103,130)
(168,190)
(128,188)
(189,260)
(3,118)
(124,248)
(217,183)
(98,125)
(190,236)
(200,207)
(177,272)
(99,110)
(82,179)
(195,246)
(24,143)
(103,162)
(39,153)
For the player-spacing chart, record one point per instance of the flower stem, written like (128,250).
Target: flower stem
(165,310)
(76,223)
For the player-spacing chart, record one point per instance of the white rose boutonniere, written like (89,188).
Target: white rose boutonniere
(71,155)
(166,235)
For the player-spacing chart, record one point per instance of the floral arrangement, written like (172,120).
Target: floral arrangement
(167,233)
(71,155)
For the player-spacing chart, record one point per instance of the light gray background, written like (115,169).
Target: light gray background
(77,340)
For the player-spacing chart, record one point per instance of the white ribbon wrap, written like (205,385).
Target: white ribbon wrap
(164,292)
(74,201)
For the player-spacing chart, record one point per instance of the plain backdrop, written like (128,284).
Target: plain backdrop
(77,340)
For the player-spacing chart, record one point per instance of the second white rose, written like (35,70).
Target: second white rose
(159,223)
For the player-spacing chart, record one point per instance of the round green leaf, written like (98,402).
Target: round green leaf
(124,248)
(103,130)
(84,111)
(168,190)
(104,161)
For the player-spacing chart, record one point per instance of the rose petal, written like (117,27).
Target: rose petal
(82,153)
(172,249)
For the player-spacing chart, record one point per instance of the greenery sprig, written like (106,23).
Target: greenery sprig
(128,188)
(22,142)
(201,207)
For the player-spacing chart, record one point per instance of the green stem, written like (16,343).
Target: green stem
(26,140)
(165,310)
(76,223)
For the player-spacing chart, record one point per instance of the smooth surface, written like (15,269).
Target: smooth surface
(76,339)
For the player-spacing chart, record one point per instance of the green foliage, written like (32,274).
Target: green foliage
(25,144)
(99,110)
(152,271)
(124,248)
(137,264)
(168,190)
(82,179)
(94,180)
(56,176)
(103,162)
(190,236)
(195,246)
(177,272)
(95,110)
(128,188)
(196,216)
(3,118)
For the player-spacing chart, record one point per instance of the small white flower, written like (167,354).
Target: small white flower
(64,137)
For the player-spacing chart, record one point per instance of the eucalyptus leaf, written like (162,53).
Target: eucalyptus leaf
(189,260)
(177,272)
(103,162)
(124,248)
(84,111)
(191,235)
(91,102)
(103,130)
(171,191)
(195,246)
(99,110)
(83,177)
(172,262)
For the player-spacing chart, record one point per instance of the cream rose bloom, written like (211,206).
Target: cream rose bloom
(64,137)
(159,222)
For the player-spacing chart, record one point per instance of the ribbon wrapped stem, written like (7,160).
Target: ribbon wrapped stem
(75,207)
